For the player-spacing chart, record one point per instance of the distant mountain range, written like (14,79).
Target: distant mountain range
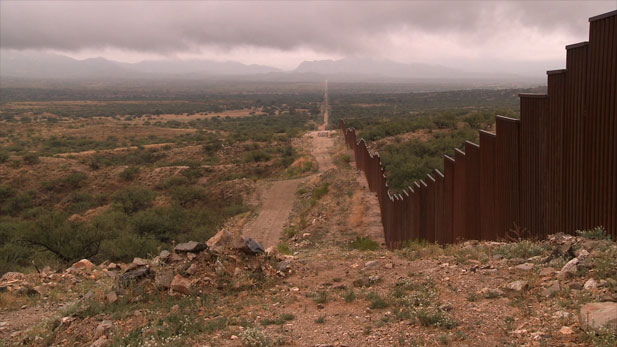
(38,65)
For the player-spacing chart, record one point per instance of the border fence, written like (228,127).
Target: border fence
(554,170)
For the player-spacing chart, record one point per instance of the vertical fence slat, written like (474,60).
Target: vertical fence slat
(472,191)
(488,219)
(507,175)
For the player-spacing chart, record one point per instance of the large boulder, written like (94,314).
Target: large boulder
(226,240)
(163,279)
(191,246)
(599,315)
(134,275)
(83,264)
(181,285)
(252,247)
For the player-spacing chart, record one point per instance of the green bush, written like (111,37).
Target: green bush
(134,199)
(69,241)
(321,191)
(31,158)
(72,181)
(4,157)
(129,173)
(256,156)
(187,195)
(364,244)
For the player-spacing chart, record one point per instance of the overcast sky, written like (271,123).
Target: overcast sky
(483,34)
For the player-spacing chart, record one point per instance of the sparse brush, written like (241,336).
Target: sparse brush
(364,244)
(597,233)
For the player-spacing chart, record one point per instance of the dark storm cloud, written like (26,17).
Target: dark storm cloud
(342,27)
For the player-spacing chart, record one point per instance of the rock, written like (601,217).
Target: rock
(192,269)
(551,289)
(191,246)
(252,247)
(113,267)
(190,256)
(219,268)
(181,285)
(111,297)
(284,266)
(13,276)
(237,272)
(272,251)
(371,264)
(599,315)
(140,261)
(566,330)
(100,342)
(517,286)
(361,282)
(582,253)
(66,320)
(490,293)
(374,279)
(590,284)
(389,266)
(524,267)
(569,268)
(547,271)
(133,275)
(164,255)
(163,279)
(226,240)
(83,264)
(103,328)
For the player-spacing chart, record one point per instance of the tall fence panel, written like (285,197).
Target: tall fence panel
(458,206)
(488,219)
(439,208)
(472,191)
(554,128)
(448,199)
(507,175)
(534,110)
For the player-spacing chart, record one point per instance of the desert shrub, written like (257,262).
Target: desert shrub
(6,192)
(364,244)
(187,195)
(193,173)
(133,199)
(72,181)
(321,191)
(67,240)
(212,146)
(129,173)
(31,158)
(597,233)
(256,156)
(173,182)
(17,203)
(4,156)
(253,337)
(523,249)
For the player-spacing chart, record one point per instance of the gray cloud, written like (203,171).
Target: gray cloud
(339,28)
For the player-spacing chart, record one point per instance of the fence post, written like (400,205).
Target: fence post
(458,207)
(507,175)
(439,202)
(473,209)
(488,224)
(448,198)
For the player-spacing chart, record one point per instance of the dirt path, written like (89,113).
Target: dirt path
(277,197)
(277,201)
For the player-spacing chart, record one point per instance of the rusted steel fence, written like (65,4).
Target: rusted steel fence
(553,170)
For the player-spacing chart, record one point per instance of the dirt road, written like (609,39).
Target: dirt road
(277,197)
